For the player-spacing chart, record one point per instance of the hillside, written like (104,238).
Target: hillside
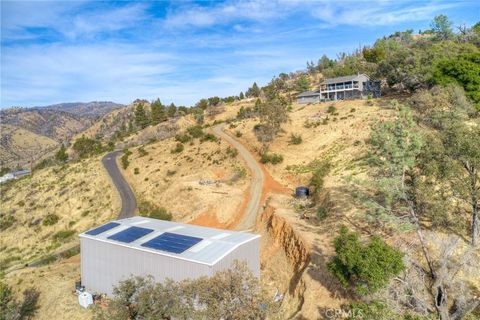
(53,205)
(108,124)
(303,244)
(29,133)
(91,110)
(19,146)
(295,245)
(208,173)
(54,124)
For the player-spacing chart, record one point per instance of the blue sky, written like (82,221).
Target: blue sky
(65,51)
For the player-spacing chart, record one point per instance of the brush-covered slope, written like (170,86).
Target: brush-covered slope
(19,146)
(91,110)
(208,173)
(45,212)
(57,125)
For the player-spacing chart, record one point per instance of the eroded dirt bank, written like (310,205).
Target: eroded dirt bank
(285,256)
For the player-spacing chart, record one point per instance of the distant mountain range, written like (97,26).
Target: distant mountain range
(91,110)
(58,123)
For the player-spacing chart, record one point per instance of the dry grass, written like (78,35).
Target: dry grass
(56,284)
(341,138)
(80,195)
(172,180)
(20,146)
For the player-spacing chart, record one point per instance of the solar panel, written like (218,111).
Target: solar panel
(130,234)
(172,242)
(102,229)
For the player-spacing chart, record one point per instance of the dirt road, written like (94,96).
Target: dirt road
(129,204)
(251,210)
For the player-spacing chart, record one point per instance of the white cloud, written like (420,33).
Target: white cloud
(70,18)
(356,13)
(202,16)
(42,73)
(122,51)
(376,13)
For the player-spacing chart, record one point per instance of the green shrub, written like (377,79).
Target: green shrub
(86,147)
(124,159)
(208,137)
(47,259)
(232,152)
(295,139)
(136,171)
(353,110)
(171,172)
(50,219)
(6,221)
(195,131)
(63,235)
(21,203)
(148,209)
(142,152)
(272,158)
(70,252)
(160,213)
(321,171)
(238,134)
(463,70)
(366,266)
(43,164)
(178,148)
(183,138)
(331,109)
(321,213)
(12,308)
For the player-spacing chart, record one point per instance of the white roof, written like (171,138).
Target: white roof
(215,244)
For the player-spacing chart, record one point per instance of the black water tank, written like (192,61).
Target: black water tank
(302,192)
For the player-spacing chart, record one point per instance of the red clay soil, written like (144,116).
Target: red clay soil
(270,185)
(208,219)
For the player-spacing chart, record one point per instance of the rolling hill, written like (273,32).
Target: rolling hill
(90,110)
(28,133)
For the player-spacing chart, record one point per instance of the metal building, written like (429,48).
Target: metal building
(142,246)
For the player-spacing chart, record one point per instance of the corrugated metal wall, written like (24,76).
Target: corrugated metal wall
(103,265)
(249,252)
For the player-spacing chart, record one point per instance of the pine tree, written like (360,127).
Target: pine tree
(241,96)
(254,91)
(130,126)
(158,112)
(61,154)
(171,110)
(141,119)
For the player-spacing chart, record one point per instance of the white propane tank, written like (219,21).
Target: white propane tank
(85,299)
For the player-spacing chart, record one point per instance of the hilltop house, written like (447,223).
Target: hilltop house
(340,88)
(309,97)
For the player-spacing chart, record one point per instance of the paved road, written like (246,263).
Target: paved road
(129,204)
(256,185)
